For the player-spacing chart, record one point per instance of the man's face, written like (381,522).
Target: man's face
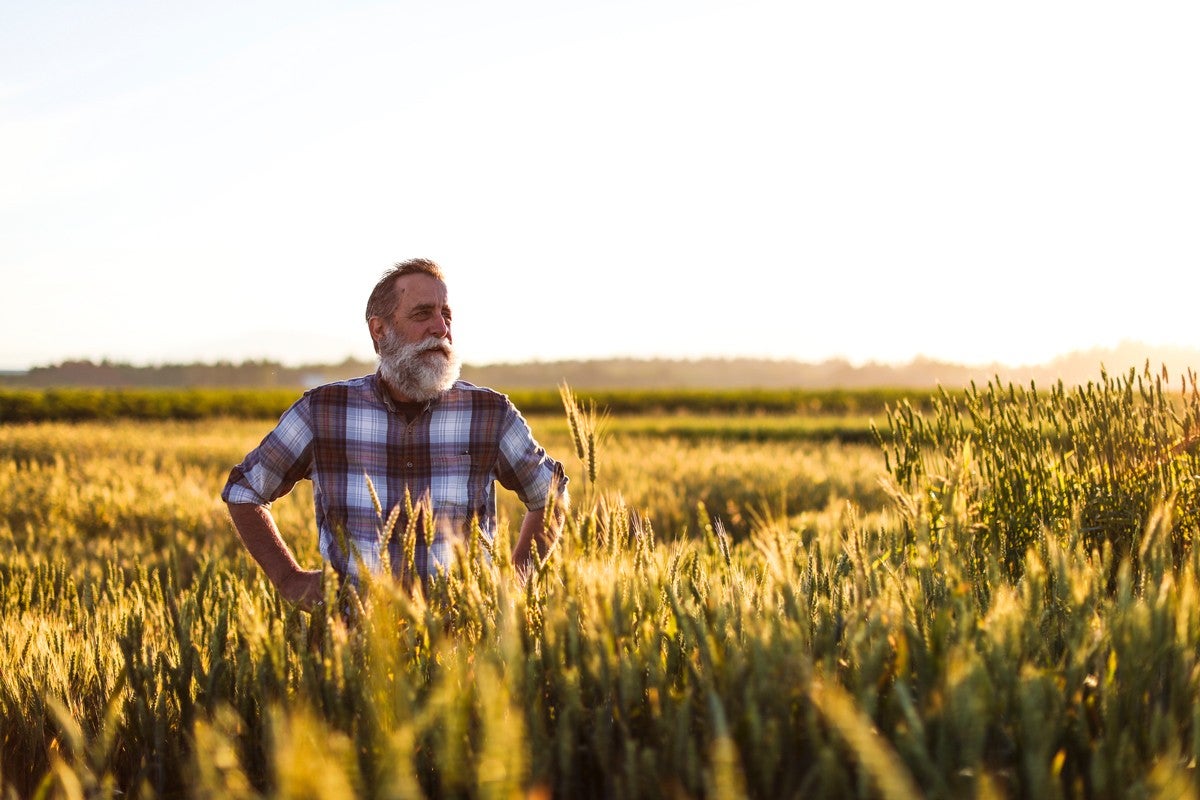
(416,357)
(423,311)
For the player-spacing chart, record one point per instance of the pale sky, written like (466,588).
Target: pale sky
(968,181)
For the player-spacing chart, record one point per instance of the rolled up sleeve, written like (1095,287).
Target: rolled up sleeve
(526,468)
(270,470)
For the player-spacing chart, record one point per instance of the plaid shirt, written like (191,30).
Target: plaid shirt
(341,434)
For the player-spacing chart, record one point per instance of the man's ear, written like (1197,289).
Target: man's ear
(377,327)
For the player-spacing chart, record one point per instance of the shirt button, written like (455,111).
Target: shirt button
(410,465)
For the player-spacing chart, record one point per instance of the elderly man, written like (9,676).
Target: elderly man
(412,427)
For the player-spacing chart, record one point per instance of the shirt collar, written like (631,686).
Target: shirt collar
(382,393)
(386,397)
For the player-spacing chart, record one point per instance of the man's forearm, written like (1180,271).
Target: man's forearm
(259,533)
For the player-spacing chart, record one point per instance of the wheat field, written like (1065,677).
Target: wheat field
(998,598)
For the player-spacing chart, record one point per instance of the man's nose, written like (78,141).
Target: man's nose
(440,327)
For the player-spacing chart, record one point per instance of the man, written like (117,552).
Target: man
(412,427)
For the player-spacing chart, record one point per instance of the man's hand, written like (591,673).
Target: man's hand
(535,529)
(302,588)
(258,531)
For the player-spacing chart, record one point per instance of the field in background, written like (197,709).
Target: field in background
(1001,600)
(81,404)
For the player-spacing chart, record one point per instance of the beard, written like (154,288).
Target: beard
(420,370)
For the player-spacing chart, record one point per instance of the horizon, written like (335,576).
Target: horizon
(872,183)
(1138,351)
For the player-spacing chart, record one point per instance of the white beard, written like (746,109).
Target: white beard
(413,371)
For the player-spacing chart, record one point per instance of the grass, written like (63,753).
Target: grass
(80,404)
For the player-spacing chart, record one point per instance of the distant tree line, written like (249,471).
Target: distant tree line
(622,373)
(222,374)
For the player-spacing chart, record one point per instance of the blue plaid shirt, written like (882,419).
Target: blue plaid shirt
(347,437)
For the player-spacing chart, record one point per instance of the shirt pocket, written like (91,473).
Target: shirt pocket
(449,484)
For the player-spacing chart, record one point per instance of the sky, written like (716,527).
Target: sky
(874,181)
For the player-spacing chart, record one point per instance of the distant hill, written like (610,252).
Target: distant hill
(705,373)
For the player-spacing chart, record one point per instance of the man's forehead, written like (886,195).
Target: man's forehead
(420,288)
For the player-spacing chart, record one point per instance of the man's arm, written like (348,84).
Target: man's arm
(538,480)
(534,528)
(258,531)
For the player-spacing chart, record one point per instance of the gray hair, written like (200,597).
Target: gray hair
(383,300)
